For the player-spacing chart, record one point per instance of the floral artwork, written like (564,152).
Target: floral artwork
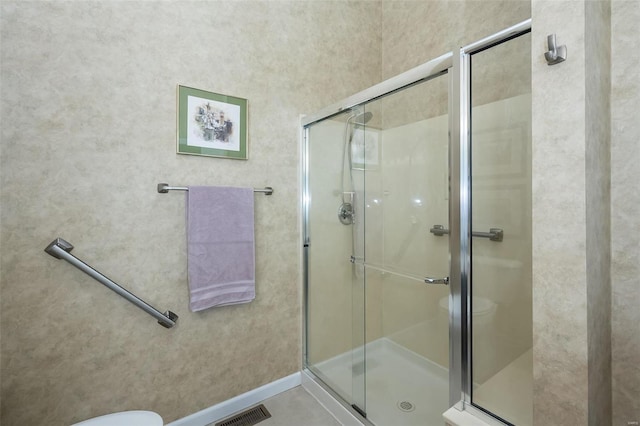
(364,148)
(211,124)
(214,126)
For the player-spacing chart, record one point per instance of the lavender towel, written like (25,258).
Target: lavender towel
(220,246)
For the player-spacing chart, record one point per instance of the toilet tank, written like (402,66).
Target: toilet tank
(498,279)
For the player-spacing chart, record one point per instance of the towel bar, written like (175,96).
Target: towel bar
(163,188)
(60,249)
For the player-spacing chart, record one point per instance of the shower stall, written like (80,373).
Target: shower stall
(417,240)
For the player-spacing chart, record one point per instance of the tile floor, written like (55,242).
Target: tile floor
(296,407)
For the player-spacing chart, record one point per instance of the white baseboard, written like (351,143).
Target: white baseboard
(239,403)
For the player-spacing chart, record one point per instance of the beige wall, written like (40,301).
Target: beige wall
(608,320)
(88,113)
(625,210)
(559,224)
(417,31)
(88,95)
(598,207)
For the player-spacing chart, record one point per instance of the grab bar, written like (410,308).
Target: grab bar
(60,249)
(494,234)
(163,188)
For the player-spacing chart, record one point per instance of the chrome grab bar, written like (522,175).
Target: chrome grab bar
(60,249)
(494,234)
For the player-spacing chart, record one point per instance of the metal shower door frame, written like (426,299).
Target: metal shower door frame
(427,71)
(457,66)
(460,163)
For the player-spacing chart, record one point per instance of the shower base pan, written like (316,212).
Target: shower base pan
(402,387)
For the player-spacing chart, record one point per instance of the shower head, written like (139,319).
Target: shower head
(358,119)
(362,118)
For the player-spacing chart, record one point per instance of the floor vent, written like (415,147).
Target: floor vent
(249,417)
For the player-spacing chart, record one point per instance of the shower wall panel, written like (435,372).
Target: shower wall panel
(415,187)
(559,169)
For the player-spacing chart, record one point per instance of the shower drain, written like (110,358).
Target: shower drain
(406,406)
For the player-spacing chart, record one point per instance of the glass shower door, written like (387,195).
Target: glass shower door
(405,168)
(334,282)
(377,254)
(501,192)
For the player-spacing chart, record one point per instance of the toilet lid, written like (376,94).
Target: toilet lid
(138,418)
(480,305)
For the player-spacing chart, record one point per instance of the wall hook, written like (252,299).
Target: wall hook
(556,54)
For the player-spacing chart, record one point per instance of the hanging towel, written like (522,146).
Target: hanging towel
(220,246)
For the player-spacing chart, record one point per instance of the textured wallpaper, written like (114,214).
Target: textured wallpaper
(88,130)
(598,207)
(625,210)
(88,99)
(560,352)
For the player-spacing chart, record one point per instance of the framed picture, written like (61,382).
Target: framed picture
(365,149)
(211,124)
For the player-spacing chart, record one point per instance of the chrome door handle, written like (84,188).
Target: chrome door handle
(444,280)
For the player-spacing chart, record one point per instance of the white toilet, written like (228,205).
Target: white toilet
(500,280)
(483,310)
(125,418)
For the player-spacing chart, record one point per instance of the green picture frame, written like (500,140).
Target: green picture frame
(211,124)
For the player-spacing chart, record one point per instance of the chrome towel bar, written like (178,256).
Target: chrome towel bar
(60,249)
(163,188)
(387,270)
(494,234)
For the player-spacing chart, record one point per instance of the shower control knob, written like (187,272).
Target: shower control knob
(345,214)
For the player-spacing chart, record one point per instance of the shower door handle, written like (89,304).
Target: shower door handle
(444,280)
